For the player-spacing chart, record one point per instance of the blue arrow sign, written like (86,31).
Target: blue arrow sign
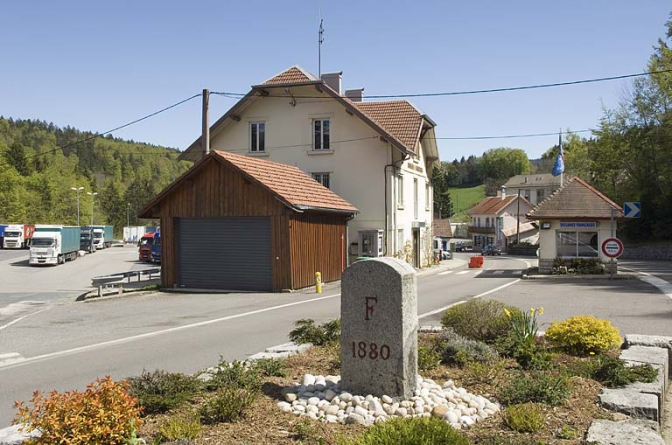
(632,209)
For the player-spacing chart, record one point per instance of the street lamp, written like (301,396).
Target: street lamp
(92,199)
(77,189)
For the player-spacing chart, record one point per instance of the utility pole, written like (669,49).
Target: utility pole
(205,136)
(93,197)
(518,220)
(77,190)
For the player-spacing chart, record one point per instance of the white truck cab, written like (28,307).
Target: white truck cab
(13,237)
(45,248)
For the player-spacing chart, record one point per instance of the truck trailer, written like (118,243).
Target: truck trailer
(54,244)
(156,248)
(17,236)
(2,234)
(102,236)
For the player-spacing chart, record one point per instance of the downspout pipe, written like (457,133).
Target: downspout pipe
(396,167)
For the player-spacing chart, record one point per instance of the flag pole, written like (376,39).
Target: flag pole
(562,175)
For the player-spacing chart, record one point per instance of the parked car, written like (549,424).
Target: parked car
(446,255)
(491,249)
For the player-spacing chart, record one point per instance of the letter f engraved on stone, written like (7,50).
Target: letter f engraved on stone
(369,307)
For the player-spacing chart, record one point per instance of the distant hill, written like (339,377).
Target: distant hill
(463,199)
(40,162)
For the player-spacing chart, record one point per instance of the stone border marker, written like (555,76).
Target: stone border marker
(379,328)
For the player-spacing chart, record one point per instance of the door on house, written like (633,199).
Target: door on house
(416,248)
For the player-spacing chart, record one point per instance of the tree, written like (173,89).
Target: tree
(16,157)
(443,206)
(500,164)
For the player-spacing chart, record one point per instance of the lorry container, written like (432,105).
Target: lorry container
(54,244)
(145,247)
(2,233)
(17,236)
(133,234)
(102,236)
(86,240)
(156,248)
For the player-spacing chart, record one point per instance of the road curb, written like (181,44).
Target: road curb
(455,263)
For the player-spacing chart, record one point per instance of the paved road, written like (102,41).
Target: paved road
(73,343)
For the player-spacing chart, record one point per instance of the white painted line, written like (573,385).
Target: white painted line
(517,272)
(21,318)
(10,358)
(445,273)
(497,288)
(158,333)
(463,272)
(9,355)
(498,272)
(663,286)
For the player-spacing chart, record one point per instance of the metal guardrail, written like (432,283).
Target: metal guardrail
(117,279)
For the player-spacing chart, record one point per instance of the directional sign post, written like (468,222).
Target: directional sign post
(632,209)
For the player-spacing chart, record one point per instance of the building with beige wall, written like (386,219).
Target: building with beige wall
(535,188)
(376,155)
(494,217)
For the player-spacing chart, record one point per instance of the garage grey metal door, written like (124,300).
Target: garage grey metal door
(225,253)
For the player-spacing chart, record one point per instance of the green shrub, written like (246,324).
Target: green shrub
(567,432)
(418,431)
(504,440)
(613,372)
(180,428)
(306,331)
(306,433)
(537,387)
(482,320)
(227,405)
(583,335)
(530,355)
(525,418)
(485,372)
(428,358)
(238,374)
(455,349)
(272,367)
(160,391)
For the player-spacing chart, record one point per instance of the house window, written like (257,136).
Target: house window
(576,244)
(322,178)
(487,221)
(257,137)
(527,194)
(400,191)
(541,194)
(400,240)
(321,134)
(415,198)
(426,196)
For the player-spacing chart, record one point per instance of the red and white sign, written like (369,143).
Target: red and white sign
(612,247)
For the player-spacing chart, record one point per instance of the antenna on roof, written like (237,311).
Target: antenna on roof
(320,39)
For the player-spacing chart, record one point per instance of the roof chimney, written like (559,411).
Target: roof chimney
(355,95)
(333,80)
(503,193)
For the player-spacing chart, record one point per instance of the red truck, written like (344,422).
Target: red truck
(145,249)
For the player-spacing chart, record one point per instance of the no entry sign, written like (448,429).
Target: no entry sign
(612,247)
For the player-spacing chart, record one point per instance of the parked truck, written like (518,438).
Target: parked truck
(102,236)
(86,240)
(133,234)
(54,244)
(156,248)
(145,247)
(17,236)
(2,233)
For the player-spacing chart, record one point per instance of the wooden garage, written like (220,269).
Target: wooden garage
(242,223)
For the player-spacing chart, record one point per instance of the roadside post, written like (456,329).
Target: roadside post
(318,283)
(612,248)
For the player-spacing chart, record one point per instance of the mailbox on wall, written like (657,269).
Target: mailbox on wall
(370,243)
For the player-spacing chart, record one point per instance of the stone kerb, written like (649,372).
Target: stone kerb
(379,328)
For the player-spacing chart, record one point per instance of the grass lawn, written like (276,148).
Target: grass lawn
(464,199)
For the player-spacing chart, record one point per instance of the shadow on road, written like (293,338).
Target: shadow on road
(615,286)
(22,263)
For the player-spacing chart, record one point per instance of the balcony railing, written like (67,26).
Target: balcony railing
(487,230)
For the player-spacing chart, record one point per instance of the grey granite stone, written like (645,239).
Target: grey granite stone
(290,347)
(633,403)
(379,328)
(657,387)
(629,432)
(650,355)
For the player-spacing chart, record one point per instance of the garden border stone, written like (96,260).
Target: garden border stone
(633,403)
(628,432)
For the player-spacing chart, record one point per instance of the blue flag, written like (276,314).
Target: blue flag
(559,167)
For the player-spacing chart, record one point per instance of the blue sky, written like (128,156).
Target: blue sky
(97,65)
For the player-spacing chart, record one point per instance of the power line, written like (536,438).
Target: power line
(508,136)
(469,92)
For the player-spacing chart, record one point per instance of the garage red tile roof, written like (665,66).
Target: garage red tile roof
(577,199)
(399,117)
(294,74)
(492,205)
(290,183)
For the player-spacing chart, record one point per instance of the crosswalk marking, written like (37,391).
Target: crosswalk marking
(463,272)
(517,272)
(445,273)
(498,272)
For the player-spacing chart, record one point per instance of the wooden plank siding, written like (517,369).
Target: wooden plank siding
(301,244)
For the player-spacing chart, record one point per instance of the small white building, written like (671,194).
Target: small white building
(535,188)
(574,222)
(494,217)
(378,155)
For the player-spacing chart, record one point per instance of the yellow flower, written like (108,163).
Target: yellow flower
(532,311)
(507,312)
(592,353)
(541,311)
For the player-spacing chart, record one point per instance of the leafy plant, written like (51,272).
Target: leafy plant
(525,418)
(524,326)
(104,414)
(485,372)
(417,431)
(455,349)
(428,358)
(613,372)
(237,374)
(531,355)
(537,387)
(227,405)
(272,367)
(567,432)
(180,428)
(306,331)
(305,432)
(160,391)
(482,320)
(583,335)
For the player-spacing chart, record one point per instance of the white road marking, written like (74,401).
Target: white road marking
(498,272)
(157,333)
(517,272)
(445,273)
(463,272)
(10,358)
(442,309)
(21,306)
(21,318)
(663,286)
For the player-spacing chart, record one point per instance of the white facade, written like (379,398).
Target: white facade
(578,240)
(390,192)
(486,228)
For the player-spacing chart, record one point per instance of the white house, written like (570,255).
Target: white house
(376,155)
(494,219)
(535,188)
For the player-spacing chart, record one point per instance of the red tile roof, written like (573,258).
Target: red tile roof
(492,205)
(399,117)
(289,183)
(577,199)
(294,74)
(442,228)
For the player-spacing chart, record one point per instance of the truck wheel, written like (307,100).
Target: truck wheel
(60,260)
